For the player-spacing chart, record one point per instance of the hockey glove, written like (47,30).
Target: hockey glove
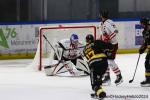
(108,53)
(141,50)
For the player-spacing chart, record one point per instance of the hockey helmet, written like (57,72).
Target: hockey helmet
(89,38)
(144,21)
(104,14)
(74,38)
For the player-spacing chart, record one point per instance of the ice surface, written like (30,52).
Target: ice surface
(17,82)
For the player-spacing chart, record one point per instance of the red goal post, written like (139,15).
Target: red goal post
(55,33)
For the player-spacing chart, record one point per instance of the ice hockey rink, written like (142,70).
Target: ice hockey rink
(17,82)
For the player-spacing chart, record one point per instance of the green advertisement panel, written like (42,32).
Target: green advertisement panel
(17,41)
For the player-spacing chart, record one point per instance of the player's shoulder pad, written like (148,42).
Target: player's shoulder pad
(108,22)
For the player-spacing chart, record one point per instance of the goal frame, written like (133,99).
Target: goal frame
(58,27)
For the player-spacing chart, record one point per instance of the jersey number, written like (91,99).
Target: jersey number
(90,54)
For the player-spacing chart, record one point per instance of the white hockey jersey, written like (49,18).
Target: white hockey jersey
(72,53)
(109,32)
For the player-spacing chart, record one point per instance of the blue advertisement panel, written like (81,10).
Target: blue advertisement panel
(138,34)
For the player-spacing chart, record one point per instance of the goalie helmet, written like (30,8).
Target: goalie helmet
(74,38)
(89,38)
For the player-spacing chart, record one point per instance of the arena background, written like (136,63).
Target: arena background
(19,18)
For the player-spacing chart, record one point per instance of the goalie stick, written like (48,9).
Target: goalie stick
(55,66)
(52,47)
(60,44)
(60,58)
(93,95)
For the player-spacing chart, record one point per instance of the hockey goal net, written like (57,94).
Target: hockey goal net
(53,35)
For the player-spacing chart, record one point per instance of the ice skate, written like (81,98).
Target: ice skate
(99,96)
(119,79)
(145,83)
(106,81)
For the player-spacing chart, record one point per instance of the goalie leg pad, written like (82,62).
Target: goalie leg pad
(54,69)
(82,66)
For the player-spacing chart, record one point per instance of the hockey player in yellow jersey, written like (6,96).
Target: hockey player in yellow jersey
(146,45)
(95,53)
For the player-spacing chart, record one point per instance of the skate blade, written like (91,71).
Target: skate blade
(121,81)
(146,85)
(95,97)
(106,84)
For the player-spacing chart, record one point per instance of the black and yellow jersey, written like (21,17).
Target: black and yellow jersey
(146,37)
(96,50)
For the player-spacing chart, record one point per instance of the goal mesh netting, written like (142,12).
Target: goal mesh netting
(44,54)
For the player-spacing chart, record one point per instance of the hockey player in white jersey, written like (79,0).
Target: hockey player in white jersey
(69,56)
(109,35)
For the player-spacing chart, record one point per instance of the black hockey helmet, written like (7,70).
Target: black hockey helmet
(144,21)
(104,14)
(89,38)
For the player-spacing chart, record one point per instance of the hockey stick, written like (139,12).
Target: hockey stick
(130,81)
(54,51)
(51,45)
(49,42)
(60,44)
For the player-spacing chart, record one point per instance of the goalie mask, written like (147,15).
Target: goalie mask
(89,39)
(74,39)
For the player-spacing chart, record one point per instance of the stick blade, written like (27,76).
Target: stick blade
(130,81)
